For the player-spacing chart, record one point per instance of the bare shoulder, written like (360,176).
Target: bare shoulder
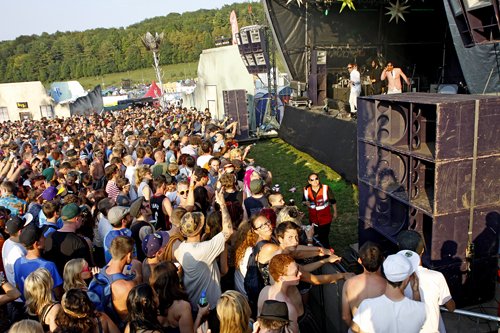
(181,306)
(269,248)
(55,310)
(123,286)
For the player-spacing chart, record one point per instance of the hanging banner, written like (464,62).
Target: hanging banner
(234,26)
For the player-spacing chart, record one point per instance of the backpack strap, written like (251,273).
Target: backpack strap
(116,276)
(99,324)
(45,311)
(258,247)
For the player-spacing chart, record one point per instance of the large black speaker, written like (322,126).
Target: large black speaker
(253,47)
(236,108)
(477,21)
(317,88)
(430,162)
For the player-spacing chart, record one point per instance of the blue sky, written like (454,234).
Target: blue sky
(27,17)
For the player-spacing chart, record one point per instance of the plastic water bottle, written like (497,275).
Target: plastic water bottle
(203,302)
(203,299)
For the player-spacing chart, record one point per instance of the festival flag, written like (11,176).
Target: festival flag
(234,26)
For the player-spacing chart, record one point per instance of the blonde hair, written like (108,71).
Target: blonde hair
(26,325)
(71,274)
(38,290)
(173,167)
(233,312)
(140,173)
(290,213)
(235,154)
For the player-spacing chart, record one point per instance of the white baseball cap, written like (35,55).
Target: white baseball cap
(399,266)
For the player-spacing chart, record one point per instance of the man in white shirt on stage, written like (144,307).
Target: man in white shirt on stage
(355,84)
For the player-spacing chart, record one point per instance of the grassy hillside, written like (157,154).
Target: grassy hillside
(92,53)
(173,72)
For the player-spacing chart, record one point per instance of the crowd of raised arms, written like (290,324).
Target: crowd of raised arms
(157,220)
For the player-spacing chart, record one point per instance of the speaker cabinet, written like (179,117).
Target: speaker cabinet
(235,107)
(427,162)
(317,88)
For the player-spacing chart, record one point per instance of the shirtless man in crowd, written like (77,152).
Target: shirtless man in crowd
(368,284)
(286,274)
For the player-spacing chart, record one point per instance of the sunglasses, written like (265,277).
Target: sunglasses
(183,192)
(267,224)
(312,179)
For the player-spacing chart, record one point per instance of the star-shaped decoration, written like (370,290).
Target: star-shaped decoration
(347,3)
(397,10)
(299,2)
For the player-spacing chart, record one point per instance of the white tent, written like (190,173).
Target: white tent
(219,69)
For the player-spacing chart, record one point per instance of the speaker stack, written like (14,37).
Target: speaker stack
(254,48)
(430,162)
(235,107)
(317,87)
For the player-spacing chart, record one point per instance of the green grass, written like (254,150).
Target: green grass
(146,75)
(290,167)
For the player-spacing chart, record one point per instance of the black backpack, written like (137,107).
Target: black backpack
(254,282)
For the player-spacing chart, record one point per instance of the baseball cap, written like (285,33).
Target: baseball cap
(30,235)
(49,193)
(256,186)
(135,206)
(5,211)
(117,213)
(105,204)
(14,224)
(70,211)
(192,223)
(49,173)
(152,243)
(399,266)
(167,143)
(123,200)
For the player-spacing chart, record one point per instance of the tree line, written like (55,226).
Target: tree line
(70,55)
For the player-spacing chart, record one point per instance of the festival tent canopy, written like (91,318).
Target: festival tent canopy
(154,91)
(64,92)
(221,69)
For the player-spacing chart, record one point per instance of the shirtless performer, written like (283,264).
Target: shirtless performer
(393,76)
(369,284)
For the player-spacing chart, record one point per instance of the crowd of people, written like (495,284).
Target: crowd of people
(150,220)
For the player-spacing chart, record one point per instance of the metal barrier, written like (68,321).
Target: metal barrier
(468,321)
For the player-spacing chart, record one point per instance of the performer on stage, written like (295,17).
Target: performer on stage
(393,76)
(376,83)
(355,84)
